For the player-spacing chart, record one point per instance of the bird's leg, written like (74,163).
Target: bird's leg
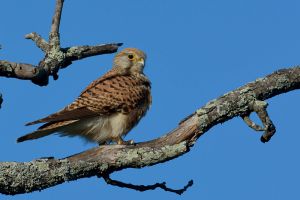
(119,140)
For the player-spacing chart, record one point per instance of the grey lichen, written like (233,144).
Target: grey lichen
(201,111)
(203,121)
(282,82)
(136,158)
(259,105)
(72,51)
(146,156)
(55,54)
(104,167)
(245,90)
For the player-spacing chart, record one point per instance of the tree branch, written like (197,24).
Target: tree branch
(54,33)
(39,41)
(22,177)
(260,107)
(252,124)
(143,188)
(55,57)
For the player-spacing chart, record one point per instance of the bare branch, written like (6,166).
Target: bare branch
(23,177)
(251,124)
(79,52)
(16,178)
(55,58)
(260,107)
(143,188)
(39,41)
(19,70)
(54,33)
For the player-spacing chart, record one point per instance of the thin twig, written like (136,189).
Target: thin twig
(57,16)
(252,124)
(143,188)
(54,33)
(79,52)
(260,107)
(39,41)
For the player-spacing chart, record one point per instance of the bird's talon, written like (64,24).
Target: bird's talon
(120,141)
(131,142)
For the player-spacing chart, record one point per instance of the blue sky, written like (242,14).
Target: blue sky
(197,50)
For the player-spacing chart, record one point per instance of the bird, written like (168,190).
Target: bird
(108,108)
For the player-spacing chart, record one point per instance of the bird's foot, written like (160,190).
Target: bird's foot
(122,142)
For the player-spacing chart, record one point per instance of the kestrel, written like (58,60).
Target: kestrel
(108,108)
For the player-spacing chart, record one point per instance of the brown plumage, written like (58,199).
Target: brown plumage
(108,108)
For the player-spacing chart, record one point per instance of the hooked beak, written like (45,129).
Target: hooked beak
(141,61)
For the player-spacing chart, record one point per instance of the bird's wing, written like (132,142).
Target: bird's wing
(121,93)
(104,96)
(65,114)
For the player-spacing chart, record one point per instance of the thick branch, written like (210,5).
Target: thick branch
(55,56)
(24,177)
(20,70)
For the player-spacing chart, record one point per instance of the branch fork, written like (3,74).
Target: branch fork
(55,58)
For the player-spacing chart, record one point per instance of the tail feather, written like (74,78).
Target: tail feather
(35,135)
(45,130)
(65,115)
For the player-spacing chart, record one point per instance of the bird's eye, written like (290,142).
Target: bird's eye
(130,56)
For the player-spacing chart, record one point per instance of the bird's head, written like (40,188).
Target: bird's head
(130,60)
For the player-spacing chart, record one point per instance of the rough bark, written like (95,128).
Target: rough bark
(22,177)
